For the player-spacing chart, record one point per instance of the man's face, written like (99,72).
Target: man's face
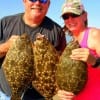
(36,9)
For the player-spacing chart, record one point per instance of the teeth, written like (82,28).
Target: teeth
(37,8)
(71,24)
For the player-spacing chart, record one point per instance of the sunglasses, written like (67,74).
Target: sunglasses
(66,16)
(41,1)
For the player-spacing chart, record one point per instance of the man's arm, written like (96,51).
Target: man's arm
(3,49)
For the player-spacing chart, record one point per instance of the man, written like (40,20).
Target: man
(32,21)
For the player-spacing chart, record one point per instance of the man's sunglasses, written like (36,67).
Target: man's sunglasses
(41,1)
(66,16)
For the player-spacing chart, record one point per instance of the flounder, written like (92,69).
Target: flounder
(71,74)
(18,66)
(45,60)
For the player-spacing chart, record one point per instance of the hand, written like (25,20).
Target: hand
(83,54)
(64,95)
(5,46)
(39,36)
(11,40)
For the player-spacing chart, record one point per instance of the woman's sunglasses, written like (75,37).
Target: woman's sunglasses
(66,16)
(41,1)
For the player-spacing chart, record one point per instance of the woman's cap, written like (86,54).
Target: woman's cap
(72,6)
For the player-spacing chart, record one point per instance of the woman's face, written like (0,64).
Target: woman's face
(75,23)
(36,9)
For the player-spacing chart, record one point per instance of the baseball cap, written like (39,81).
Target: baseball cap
(72,6)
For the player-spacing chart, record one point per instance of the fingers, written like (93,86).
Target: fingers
(13,38)
(64,95)
(80,54)
(8,43)
(39,35)
(80,51)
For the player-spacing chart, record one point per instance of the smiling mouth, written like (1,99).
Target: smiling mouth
(36,8)
(73,25)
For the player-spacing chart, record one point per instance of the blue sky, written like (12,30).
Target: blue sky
(16,6)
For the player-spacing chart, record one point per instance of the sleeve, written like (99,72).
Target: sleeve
(2,27)
(1,37)
(1,31)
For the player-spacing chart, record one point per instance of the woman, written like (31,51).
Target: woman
(75,19)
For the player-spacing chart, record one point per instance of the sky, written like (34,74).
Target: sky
(16,6)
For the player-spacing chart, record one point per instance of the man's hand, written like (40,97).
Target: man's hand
(4,47)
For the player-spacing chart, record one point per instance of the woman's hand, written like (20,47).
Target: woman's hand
(64,95)
(83,54)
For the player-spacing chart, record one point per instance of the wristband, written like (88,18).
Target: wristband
(97,63)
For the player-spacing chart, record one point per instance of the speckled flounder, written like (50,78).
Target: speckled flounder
(71,74)
(45,59)
(18,66)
